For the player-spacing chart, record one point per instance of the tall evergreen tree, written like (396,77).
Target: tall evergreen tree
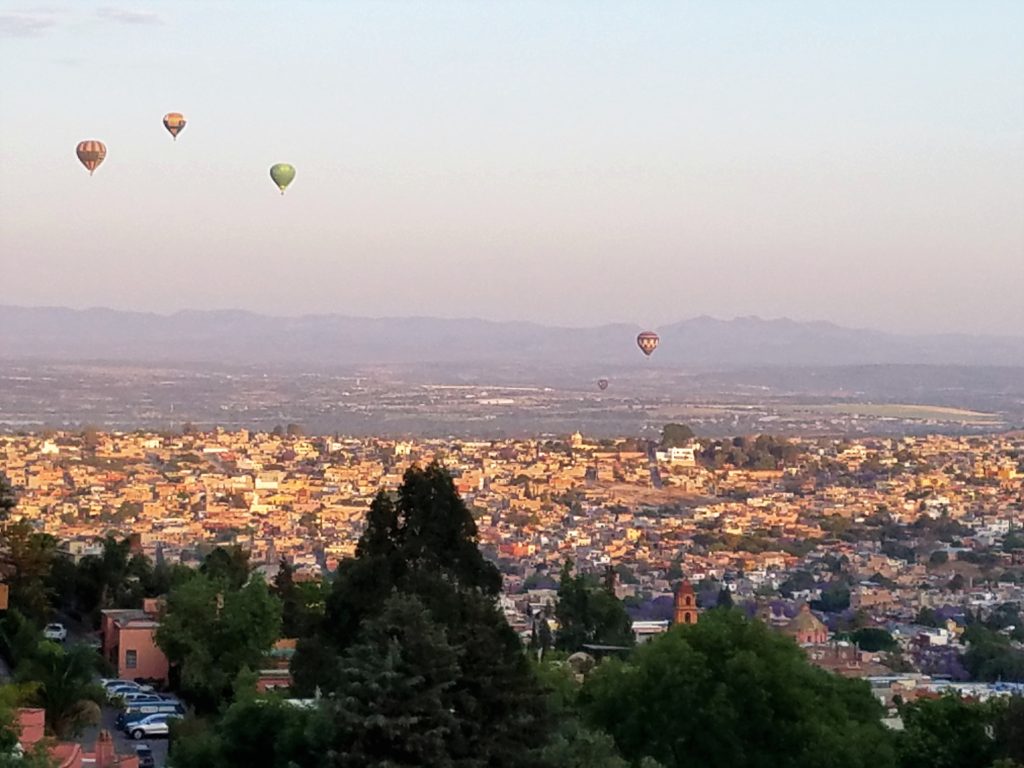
(421,543)
(396,705)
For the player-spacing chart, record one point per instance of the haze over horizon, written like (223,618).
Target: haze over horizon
(567,164)
(1012,333)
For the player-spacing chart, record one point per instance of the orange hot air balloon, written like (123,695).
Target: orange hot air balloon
(91,153)
(602,384)
(174,122)
(648,342)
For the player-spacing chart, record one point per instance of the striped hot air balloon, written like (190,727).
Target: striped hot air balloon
(91,153)
(648,342)
(174,122)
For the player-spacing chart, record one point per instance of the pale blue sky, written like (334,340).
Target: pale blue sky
(563,162)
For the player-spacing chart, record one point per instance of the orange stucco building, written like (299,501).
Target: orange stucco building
(129,643)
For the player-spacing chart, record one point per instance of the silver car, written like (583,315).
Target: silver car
(151,725)
(141,697)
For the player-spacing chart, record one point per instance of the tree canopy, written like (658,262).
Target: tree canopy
(675,435)
(731,693)
(947,733)
(211,633)
(588,613)
(30,556)
(229,564)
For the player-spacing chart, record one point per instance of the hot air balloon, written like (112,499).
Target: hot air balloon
(648,342)
(91,153)
(602,384)
(174,122)
(282,174)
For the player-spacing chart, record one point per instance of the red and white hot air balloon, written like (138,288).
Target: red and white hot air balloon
(648,342)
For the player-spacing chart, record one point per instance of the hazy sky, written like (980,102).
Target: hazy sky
(564,162)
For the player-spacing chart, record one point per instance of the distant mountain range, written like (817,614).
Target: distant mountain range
(236,337)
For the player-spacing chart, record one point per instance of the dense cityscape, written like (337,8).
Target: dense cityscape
(898,561)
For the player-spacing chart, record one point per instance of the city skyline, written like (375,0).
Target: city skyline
(566,165)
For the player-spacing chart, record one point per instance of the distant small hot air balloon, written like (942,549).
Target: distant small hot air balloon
(602,384)
(91,153)
(282,174)
(648,342)
(174,122)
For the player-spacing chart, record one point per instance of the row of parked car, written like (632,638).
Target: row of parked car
(145,713)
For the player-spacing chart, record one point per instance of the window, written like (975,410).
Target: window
(131,659)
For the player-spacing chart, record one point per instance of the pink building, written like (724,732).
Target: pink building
(129,643)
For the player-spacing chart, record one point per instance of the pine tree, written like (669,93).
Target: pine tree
(395,705)
(421,544)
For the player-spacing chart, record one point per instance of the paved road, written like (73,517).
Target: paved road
(123,744)
(652,462)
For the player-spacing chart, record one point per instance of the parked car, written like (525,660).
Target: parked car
(139,697)
(149,726)
(139,711)
(119,688)
(109,683)
(145,755)
(56,632)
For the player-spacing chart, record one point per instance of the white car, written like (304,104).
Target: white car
(56,632)
(150,725)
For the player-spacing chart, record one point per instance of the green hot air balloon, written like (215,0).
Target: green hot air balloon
(282,174)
